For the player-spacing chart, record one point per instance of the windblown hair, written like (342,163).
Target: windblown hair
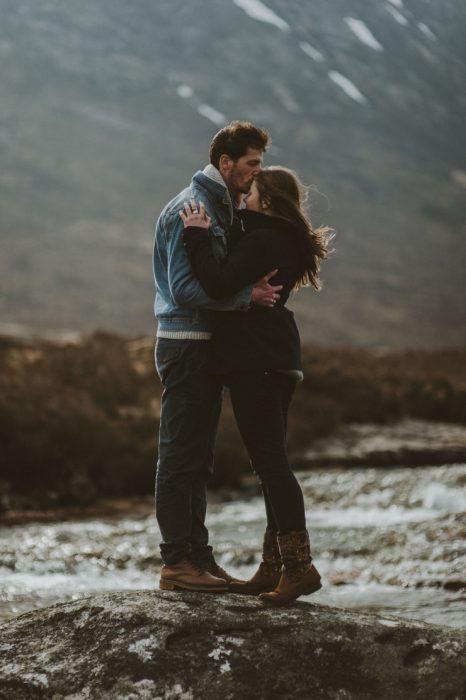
(284,195)
(235,139)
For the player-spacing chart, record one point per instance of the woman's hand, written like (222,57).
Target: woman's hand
(194,215)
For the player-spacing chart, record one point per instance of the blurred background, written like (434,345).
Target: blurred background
(107,108)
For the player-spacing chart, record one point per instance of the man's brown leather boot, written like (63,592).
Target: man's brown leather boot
(299,575)
(213,568)
(267,575)
(185,575)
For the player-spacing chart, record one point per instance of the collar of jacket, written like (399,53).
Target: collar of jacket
(211,180)
(255,219)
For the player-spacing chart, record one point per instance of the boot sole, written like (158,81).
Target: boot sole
(165,585)
(279,602)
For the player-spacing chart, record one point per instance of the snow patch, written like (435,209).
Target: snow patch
(363,33)
(286,98)
(184,91)
(212,114)
(397,16)
(311,51)
(257,10)
(397,3)
(389,623)
(347,86)
(427,31)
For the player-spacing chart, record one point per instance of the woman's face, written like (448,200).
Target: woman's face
(252,199)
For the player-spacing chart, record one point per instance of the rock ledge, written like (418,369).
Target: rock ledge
(154,645)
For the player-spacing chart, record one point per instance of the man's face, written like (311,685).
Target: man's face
(239,174)
(253,199)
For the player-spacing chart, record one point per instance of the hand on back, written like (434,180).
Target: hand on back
(265,294)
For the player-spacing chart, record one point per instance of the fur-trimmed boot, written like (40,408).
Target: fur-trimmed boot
(299,575)
(267,575)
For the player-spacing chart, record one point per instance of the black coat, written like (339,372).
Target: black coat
(261,338)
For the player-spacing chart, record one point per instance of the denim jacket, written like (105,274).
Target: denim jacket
(181,306)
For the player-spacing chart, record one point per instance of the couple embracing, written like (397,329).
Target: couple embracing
(229,250)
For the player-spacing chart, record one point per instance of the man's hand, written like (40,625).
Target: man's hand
(263,293)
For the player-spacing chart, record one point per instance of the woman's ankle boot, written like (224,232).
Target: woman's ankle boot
(267,575)
(299,575)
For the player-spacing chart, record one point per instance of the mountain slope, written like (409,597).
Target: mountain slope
(108,108)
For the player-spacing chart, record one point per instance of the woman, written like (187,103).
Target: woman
(258,355)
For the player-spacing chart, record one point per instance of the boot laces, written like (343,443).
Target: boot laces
(195,567)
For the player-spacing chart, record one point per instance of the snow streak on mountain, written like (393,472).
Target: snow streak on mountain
(108,108)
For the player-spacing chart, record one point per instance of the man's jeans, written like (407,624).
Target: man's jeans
(190,410)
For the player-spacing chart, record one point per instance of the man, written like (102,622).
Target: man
(191,398)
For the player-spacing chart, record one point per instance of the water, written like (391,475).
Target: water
(392,541)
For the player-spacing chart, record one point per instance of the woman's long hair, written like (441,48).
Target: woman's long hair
(283,194)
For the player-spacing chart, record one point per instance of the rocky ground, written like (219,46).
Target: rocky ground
(153,645)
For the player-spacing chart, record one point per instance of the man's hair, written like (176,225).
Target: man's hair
(235,139)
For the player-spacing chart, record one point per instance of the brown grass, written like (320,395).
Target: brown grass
(79,421)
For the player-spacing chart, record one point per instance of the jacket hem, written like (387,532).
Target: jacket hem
(184,335)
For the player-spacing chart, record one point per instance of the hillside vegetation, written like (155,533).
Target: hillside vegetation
(79,421)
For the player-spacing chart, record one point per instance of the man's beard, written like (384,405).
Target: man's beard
(236,188)
(246,187)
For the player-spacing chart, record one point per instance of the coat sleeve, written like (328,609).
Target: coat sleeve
(185,289)
(252,258)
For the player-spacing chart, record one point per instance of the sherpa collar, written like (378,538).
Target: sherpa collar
(214,174)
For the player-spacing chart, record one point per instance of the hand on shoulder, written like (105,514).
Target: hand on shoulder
(194,215)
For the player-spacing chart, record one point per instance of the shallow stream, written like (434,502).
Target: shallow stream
(388,540)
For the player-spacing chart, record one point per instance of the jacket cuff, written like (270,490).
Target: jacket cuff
(244,299)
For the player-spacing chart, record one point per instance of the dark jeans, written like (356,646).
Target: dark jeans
(190,409)
(260,401)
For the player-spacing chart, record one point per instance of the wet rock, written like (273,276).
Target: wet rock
(406,442)
(161,645)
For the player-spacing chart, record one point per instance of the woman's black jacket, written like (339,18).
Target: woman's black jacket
(260,338)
